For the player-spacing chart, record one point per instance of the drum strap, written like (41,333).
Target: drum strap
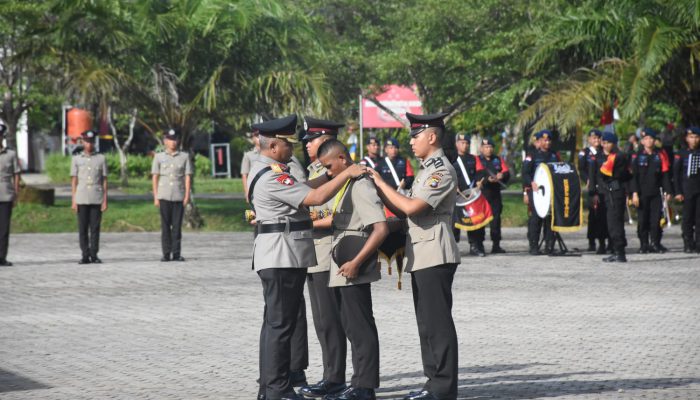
(464,171)
(369,161)
(393,171)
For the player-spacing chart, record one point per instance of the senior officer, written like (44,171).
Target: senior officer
(172,180)
(283,248)
(9,189)
(88,173)
(431,252)
(324,302)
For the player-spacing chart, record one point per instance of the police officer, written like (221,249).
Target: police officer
(610,177)
(283,248)
(651,171)
(247,160)
(597,226)
(686,172)
(541,154)
(495,175)
(88,173)
(324,304)
(431,252)
(172,180)
(358,215)
(467,166)
(372,158)
(9,189)
(395,169)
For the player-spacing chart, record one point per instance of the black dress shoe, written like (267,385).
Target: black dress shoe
(643,250)
(475,250)
(422,395)
(84,260)
(321,389)
(165,258)
(296,378)
(534,251)
(617,257)
(95,260)
(178,258)
(352,393)
(601,250)
(5,263)
(496,249)
(657,248)
(591,244)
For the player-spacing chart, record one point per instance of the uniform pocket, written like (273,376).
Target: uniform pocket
(421,234)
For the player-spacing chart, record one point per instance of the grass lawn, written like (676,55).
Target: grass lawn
(202,185)
(125,216)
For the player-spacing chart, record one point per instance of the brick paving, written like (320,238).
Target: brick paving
(529,327)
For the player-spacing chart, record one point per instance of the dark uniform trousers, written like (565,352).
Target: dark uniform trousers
(496,202)
(355,304)
(328,325)
(300,341)
(432,299)
(648,216)
(597,218)
(691,219)
(615,200)
(283,290)
(535,224)
(5,216)
(89,219)
(171,213)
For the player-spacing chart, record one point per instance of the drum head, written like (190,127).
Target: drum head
(542,197)
(470,195)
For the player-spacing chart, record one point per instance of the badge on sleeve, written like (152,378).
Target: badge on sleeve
(285,180)
(434,181)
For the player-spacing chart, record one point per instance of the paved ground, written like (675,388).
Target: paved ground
(529,327)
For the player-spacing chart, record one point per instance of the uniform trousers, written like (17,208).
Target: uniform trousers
(496,202)
(89,219)
(355,304)
(300,341)
(171,213)
(283,290)
(615,202)
(5,217)
(432,300)
(329,328)
(597,218)
(691,219)
(535,224)
(648,218)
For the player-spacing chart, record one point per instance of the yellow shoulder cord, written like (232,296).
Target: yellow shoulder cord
(339,196)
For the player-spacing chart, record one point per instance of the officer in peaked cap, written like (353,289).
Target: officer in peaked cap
(89,183)
(432,255)
(324,302)
(172,180)
(284,246)
(9,189)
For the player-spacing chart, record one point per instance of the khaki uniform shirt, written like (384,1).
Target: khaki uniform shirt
(278,198)
(171,169)
(91,171)
(430,242)
(296,169)
(248,158)
(359,208)
(9,167)
(322,238)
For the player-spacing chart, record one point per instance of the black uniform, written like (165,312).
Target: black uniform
(589,161)
(686,177)
(403,169)
(492,193)
(610,176)
(650,172)
(471,166)
(534,223)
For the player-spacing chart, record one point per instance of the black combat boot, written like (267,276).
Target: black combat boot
(601,247)
(591,245)
(643,245)
(496,248)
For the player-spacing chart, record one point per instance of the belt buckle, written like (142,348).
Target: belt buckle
(287,227)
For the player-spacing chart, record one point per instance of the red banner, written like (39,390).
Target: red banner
(399,99)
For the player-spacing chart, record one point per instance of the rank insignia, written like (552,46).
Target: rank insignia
(278,168)
(285,180)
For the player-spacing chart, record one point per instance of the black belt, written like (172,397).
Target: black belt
(282,227)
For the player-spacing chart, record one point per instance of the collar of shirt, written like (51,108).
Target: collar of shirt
(173,154)
(435,154)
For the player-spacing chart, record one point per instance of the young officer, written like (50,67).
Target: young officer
(9,189)
(431,252)
(541,154)
(650,173)
(610,177)
(597,226)
(88,173)
(686,173)
(324,304)
(357,213)
(172,180)
(495,175)
(467,167)
(284,247)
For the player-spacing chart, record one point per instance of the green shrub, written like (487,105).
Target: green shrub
(202,166)
(57,167)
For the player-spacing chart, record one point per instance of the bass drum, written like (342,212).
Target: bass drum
(542,197)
